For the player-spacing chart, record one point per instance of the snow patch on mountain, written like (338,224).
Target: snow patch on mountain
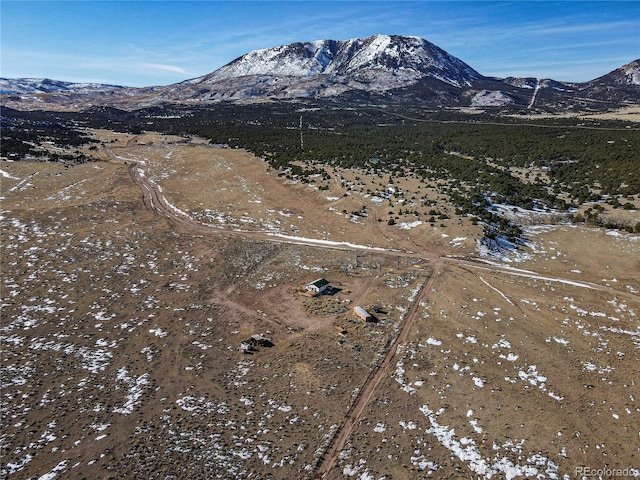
(632,72)
(487,98)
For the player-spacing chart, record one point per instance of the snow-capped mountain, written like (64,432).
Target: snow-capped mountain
(380,68)
(406,57)
(330,67)
(22,86)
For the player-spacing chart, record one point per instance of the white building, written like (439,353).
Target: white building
(318,286)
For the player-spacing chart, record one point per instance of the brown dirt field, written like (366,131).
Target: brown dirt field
(233,189)
(120,329)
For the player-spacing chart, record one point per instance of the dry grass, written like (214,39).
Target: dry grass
(119,331)
(627,114)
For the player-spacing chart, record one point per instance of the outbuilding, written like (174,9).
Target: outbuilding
(260,341)
(362,314)
(318,286)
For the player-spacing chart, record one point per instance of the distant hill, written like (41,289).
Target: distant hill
(21,86)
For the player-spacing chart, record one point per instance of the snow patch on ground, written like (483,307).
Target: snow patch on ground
(409,225)
(468,452)
(7,175)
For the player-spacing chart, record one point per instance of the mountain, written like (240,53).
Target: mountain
(376,69)
(328,68)
(23,86)
(626,75)
(406,57)
(622,84)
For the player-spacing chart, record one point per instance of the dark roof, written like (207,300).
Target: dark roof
(321,282)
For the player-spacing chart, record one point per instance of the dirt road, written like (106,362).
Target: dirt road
(381,370)
(155,201)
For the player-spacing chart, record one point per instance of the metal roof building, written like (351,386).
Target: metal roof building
(318,286)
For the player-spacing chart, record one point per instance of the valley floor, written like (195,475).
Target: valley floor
(129,284)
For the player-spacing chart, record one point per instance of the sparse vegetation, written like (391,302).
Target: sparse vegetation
(472,158)
(123,312)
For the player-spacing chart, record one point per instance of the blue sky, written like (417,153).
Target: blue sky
(142,43)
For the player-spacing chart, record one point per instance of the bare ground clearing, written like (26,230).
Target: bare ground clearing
(120,330)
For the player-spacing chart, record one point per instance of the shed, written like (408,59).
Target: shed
(318,286)
(362,314)
(259,340)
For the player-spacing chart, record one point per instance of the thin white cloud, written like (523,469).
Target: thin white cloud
(163,68)
(101,69)
(530,33)
(566,28)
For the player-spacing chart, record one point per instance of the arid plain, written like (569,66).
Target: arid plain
(129,283)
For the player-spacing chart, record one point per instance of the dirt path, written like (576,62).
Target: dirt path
(155,200)
(516,272)
(326,463)
(134,141)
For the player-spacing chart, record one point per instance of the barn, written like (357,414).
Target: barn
(318,286)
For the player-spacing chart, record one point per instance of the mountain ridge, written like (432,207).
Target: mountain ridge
(28,85)
(382,68)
